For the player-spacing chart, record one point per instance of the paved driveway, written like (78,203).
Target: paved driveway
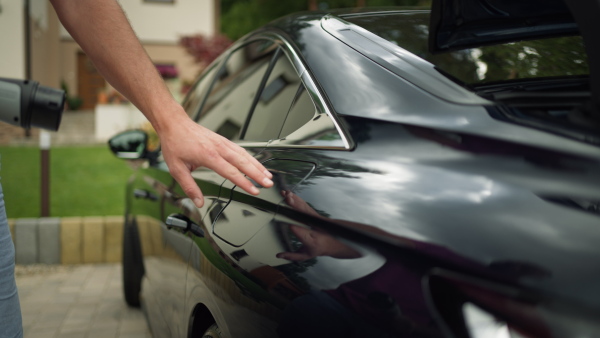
(83,301)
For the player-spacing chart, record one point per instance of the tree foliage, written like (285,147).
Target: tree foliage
(239,17)
(203,48)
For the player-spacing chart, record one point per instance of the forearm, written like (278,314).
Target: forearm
(102,30)
(104,33)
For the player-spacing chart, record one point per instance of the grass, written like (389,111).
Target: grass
(84,181)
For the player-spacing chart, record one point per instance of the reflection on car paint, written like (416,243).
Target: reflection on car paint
(399,208)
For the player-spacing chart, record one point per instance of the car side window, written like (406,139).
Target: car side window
(236,84)
(193,100)
(274,102)
(302,111)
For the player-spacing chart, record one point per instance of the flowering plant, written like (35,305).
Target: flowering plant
(167,71)
(203,48)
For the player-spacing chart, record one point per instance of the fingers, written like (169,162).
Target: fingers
(234,163)
(184,177)
(301,232)
(293,256)
(247,164)
(228,171)
(288,197)
(184,153)
(243,155)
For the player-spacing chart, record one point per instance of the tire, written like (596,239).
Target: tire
(212,332)
(133,263)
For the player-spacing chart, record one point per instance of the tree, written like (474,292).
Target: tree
(203,48)
(239,17)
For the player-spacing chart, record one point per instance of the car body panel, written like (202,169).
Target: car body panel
(392,100)
(286,174)
(398,208)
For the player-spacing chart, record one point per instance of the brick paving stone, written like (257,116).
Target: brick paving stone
(49,240)
(26,241)
(83,301)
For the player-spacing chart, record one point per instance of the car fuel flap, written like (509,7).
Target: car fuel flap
(245,215)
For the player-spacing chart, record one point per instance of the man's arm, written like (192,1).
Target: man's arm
(104,33)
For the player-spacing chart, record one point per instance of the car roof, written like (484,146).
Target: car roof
(457,24)
(304,31)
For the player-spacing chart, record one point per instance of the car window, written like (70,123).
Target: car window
(302,111)
(233,91)
(197,93)
(539,58)
(274,102)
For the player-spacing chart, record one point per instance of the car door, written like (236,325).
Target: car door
(168,268)
(264,123)
(245,229)
(242,230)
(236,216)
(221,101)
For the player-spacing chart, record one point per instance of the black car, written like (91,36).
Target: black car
(437,174)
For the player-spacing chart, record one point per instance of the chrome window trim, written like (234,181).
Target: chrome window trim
(218,63)
(320,103)
(252,144)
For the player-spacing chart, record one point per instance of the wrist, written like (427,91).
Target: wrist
(168,117)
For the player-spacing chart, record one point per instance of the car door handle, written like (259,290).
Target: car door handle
(145,194)
(183,223)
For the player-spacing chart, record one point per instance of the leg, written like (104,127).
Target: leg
(10,311)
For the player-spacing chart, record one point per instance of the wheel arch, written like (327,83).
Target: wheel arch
(200,320)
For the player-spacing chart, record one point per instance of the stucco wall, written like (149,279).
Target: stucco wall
(159,27)
(54,54)
(159,53)
(45,53)
(175,54)
(12,55)
(166,22)
(68,64)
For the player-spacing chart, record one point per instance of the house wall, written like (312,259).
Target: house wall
(159,27)
(12,40)
(158,53)
(166,22)
(45,52)
(54,53)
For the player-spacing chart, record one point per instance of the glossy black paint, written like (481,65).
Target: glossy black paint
(473,22)
(401,208)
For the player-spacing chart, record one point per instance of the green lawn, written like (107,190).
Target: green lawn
(84,181)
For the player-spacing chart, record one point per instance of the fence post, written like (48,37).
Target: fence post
(45,172)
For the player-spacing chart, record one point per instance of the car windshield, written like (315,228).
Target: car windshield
(543,58)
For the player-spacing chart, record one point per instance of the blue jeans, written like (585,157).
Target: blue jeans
(11,325)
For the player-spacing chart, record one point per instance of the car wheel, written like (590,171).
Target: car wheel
(133,264)
(212,332)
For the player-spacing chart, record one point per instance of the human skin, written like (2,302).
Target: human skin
(102,30)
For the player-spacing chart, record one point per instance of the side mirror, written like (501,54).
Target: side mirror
(130,145)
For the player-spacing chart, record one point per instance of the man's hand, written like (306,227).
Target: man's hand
(101,29)
(187,145)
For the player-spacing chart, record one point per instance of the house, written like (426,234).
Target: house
(37,47)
